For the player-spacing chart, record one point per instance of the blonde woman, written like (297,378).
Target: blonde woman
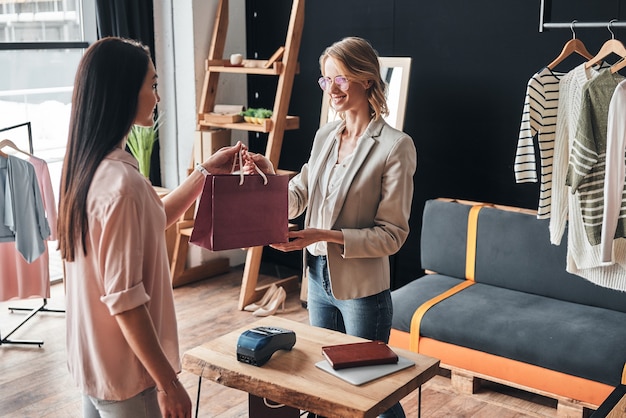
(357,190)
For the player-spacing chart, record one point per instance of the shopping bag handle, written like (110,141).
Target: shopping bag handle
(241,175)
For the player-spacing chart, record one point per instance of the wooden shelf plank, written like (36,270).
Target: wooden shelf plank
(292,123)
(256,67)
(248,67)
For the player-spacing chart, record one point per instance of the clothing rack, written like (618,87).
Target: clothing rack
(30,133)
(545,13)
(43,307)
(33,312)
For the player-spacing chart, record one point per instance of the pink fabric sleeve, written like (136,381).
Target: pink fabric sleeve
(47,195)
(121,256)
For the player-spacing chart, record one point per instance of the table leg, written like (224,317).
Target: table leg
(198,396)
(419,401)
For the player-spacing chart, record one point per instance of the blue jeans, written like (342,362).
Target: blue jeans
(368,317)
(143,405)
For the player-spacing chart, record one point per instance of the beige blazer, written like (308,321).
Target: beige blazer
(372,208)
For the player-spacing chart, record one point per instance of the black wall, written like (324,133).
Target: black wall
(471,63)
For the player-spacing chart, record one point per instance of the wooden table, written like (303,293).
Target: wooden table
(291,377)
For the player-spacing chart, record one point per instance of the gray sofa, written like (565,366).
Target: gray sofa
(523,320)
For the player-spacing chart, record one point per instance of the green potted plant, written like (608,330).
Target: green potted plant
(253,115)
(141,141)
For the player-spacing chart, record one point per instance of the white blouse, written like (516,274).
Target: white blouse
(331,177)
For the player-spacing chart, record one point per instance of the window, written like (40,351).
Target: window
(41,43)
(40,21)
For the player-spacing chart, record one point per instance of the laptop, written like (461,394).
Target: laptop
(360,375)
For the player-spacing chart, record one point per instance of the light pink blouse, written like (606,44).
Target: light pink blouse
(126,266)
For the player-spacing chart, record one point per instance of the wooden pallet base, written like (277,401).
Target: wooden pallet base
(468,383)
(573,394)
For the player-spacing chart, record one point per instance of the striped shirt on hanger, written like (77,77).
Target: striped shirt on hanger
(538,119)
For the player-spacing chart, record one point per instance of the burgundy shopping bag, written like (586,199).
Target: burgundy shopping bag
(232,215)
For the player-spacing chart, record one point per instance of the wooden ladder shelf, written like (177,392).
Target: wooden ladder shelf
(285,69)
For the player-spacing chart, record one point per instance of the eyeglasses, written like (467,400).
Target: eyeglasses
(341,81)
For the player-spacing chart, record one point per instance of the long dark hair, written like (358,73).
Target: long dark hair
(104,105)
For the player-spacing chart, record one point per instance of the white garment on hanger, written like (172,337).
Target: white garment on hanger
(583,259)
(613,218)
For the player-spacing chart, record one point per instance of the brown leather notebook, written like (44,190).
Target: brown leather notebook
(342,356)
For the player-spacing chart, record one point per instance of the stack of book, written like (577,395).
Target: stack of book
(358,363)
(342,356)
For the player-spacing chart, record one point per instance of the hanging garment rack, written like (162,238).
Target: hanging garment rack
(43,307)
(545,13)
(33,312)
(30,133)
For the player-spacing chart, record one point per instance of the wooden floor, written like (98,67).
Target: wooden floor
(34,381)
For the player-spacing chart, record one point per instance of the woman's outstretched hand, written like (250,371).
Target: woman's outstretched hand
(221,162)
(226,161)
(263,164)
(305,237)
(300,239)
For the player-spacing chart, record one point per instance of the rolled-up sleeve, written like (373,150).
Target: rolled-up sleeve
(125,300)
(122,276)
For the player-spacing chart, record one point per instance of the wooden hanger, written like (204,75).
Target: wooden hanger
(618,65)
(8,143)
(571,46)
(612,46)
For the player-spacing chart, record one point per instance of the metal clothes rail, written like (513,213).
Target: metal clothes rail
(545,14)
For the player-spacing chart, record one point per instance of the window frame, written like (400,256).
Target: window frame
(90,33)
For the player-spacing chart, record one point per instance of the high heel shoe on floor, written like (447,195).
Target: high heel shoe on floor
(278,299)
(264,300)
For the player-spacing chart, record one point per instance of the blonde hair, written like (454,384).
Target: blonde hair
(360,61)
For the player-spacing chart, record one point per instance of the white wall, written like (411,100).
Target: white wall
(183,30)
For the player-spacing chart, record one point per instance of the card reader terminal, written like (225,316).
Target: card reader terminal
(256,346)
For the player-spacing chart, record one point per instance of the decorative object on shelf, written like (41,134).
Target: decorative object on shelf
(225,113)
(258,116)
(223,117)
(236,59)
(141,141)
